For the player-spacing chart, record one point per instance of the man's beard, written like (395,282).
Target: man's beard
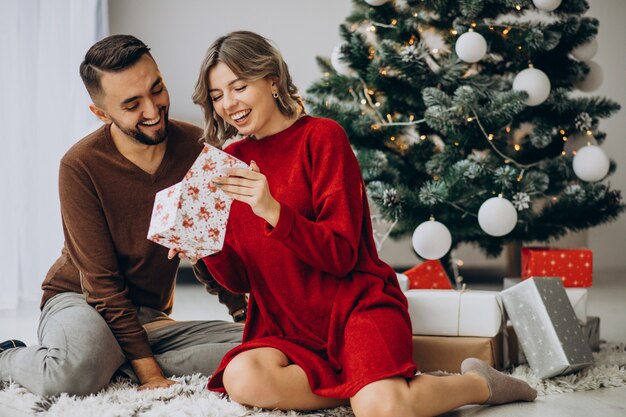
(144,139)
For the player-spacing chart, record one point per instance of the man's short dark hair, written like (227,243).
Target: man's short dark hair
(112,54)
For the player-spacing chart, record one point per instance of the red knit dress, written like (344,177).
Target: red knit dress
(318,291)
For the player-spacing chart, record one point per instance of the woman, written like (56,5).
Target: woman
(327,322)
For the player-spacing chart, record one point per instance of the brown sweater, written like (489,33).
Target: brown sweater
(106,205)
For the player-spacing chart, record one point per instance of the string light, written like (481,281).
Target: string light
(470,118)
(473,24)
(394,22)
(423,137)
(518,7)
(562,132)
(363,101)
(453,31)
(372,28)
(392,138)
(508,129)
(382,71)
(506,31)
(517,147)
(564,138)
(377,104)
(490,136)
(375,126)
(389,117)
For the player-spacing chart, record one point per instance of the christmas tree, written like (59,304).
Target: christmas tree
(469,112)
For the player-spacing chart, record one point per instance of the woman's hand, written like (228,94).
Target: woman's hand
(250,187)
(182,255)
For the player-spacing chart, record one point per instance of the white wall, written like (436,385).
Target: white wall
(180,31)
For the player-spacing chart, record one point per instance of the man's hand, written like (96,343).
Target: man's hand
(150,374)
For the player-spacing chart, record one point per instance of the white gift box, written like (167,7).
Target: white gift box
(191,216)
(578,298)
(403,280)
(455,313)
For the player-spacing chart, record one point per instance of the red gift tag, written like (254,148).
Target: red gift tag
(428,275)
(573,266)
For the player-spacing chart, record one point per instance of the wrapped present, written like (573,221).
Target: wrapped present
(455,313)
(445,353)
(573,266)
(576,296)
(591,330)
(546,326)
(191,216)
(428,275)
(403,281)
(515,352)
(578,299)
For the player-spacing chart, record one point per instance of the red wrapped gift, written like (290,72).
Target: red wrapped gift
(428,275)
(574,266)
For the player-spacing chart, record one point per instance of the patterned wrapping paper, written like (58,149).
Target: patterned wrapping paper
(191,215)
(573,266)
(428,275)
(547,328)
(591,330)
(577,297)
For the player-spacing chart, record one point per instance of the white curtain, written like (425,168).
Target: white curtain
(43,111)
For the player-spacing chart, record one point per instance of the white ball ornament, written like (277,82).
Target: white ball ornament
(431,240)
(376,2)
(547,5)
(594,78)
(497,216)
(535,82)
(591,163)
(586,51)
(471,47)
(338,64)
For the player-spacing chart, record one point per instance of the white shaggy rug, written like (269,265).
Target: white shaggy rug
(190,397)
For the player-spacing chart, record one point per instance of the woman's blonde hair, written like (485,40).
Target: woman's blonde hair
(251,57)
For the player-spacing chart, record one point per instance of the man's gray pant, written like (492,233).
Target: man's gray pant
(78,354)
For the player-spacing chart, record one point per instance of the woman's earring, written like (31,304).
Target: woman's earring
(275,94)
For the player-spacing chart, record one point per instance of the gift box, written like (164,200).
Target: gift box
(455,313)
(428,275)
(515,352)
(546,326)
(191,216)
(445,353)
(577,297)
(573,266)
(403,281)
(591,330)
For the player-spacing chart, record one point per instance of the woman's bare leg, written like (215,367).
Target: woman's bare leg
(424,395)
(265,378)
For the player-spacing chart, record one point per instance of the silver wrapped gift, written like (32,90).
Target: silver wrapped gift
(591,330)
(546,325)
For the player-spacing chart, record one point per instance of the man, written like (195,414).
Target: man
(107,299)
